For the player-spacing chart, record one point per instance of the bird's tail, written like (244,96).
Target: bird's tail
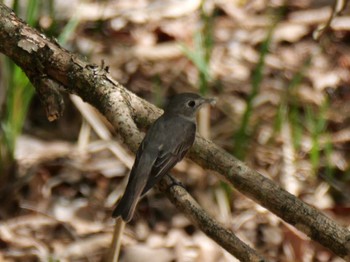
(126,207)
(136,184)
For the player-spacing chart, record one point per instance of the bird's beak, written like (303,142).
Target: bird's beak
(211,101)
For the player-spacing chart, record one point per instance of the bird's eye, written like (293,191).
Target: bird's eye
(191,103)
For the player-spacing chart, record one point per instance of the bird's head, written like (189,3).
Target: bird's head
(187,104)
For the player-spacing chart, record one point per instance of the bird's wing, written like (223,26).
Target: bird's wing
(166,160)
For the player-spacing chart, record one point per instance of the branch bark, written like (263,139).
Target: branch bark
(42,58)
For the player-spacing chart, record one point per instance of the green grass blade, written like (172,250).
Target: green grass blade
(242,135)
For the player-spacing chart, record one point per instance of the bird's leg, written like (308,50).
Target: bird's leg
(175,182)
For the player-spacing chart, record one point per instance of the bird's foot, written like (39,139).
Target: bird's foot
(175,182)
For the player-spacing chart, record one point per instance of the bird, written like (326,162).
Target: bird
(164,145)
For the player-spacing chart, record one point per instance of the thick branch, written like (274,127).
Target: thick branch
(37,56)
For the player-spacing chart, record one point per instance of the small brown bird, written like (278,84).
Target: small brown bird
(166,143)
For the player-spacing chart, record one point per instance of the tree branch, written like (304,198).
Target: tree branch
(225,238)
(40,57)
